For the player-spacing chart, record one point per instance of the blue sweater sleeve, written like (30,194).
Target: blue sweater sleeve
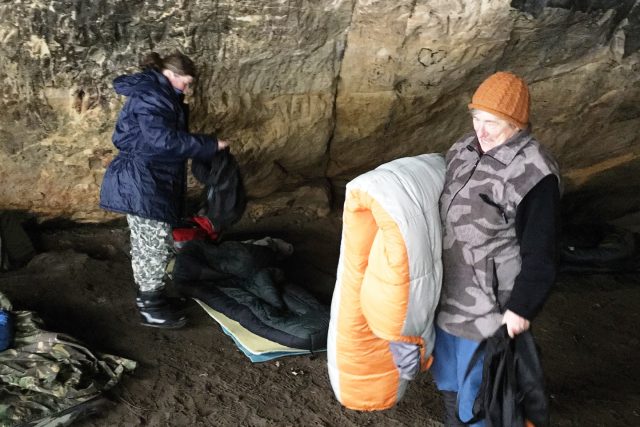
(163,138)
(537,220)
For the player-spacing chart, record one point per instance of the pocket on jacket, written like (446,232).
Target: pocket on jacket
(496,208)
(491,282)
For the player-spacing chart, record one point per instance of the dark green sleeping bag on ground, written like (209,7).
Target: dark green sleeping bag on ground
(241,281)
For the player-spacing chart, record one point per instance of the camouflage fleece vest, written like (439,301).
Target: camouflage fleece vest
(481,254)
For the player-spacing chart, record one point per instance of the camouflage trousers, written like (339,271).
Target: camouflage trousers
(151,243)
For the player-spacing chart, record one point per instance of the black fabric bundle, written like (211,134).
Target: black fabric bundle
(598,248)
(224,192)
(16,249)
(512,388)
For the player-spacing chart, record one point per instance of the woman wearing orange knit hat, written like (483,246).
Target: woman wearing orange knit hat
(499,212)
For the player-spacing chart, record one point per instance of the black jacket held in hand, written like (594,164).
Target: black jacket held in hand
(512,390)
(224,192)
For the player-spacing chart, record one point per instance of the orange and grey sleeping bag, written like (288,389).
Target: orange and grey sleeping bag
(388,279)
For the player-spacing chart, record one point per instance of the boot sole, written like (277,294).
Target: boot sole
(176,325)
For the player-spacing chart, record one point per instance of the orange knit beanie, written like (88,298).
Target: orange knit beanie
(504,95)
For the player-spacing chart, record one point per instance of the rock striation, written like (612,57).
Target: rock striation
(310,90)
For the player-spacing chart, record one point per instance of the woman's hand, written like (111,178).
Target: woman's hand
(515,324)
(222,144)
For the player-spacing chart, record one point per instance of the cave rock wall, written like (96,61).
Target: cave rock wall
(309,90)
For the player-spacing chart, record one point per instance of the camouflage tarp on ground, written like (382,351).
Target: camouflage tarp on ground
(46,373)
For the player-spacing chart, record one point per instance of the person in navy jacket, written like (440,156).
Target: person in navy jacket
(146,179)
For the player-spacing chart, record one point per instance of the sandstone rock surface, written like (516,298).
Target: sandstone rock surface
(309,90)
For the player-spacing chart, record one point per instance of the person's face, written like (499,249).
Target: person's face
(491,130)
(178,81)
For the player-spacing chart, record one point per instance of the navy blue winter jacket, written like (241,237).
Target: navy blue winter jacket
(147,177)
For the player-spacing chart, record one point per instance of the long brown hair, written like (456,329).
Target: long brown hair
(177,62)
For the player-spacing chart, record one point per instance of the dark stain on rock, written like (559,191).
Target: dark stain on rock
(623,9)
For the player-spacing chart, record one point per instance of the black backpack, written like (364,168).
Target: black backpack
(512,388)
(224,194)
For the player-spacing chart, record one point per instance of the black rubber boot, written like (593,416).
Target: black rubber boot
(159,311)
(451,420)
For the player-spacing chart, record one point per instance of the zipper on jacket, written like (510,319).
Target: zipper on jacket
(488,201)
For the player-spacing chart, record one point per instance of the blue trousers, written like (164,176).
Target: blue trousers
(451,356)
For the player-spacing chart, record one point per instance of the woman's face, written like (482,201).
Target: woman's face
(491,130)
(178,81)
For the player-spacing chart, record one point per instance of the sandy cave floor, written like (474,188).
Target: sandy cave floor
(81,284)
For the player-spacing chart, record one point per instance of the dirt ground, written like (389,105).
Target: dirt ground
(81,284)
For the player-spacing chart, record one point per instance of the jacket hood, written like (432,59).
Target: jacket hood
(129,84)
